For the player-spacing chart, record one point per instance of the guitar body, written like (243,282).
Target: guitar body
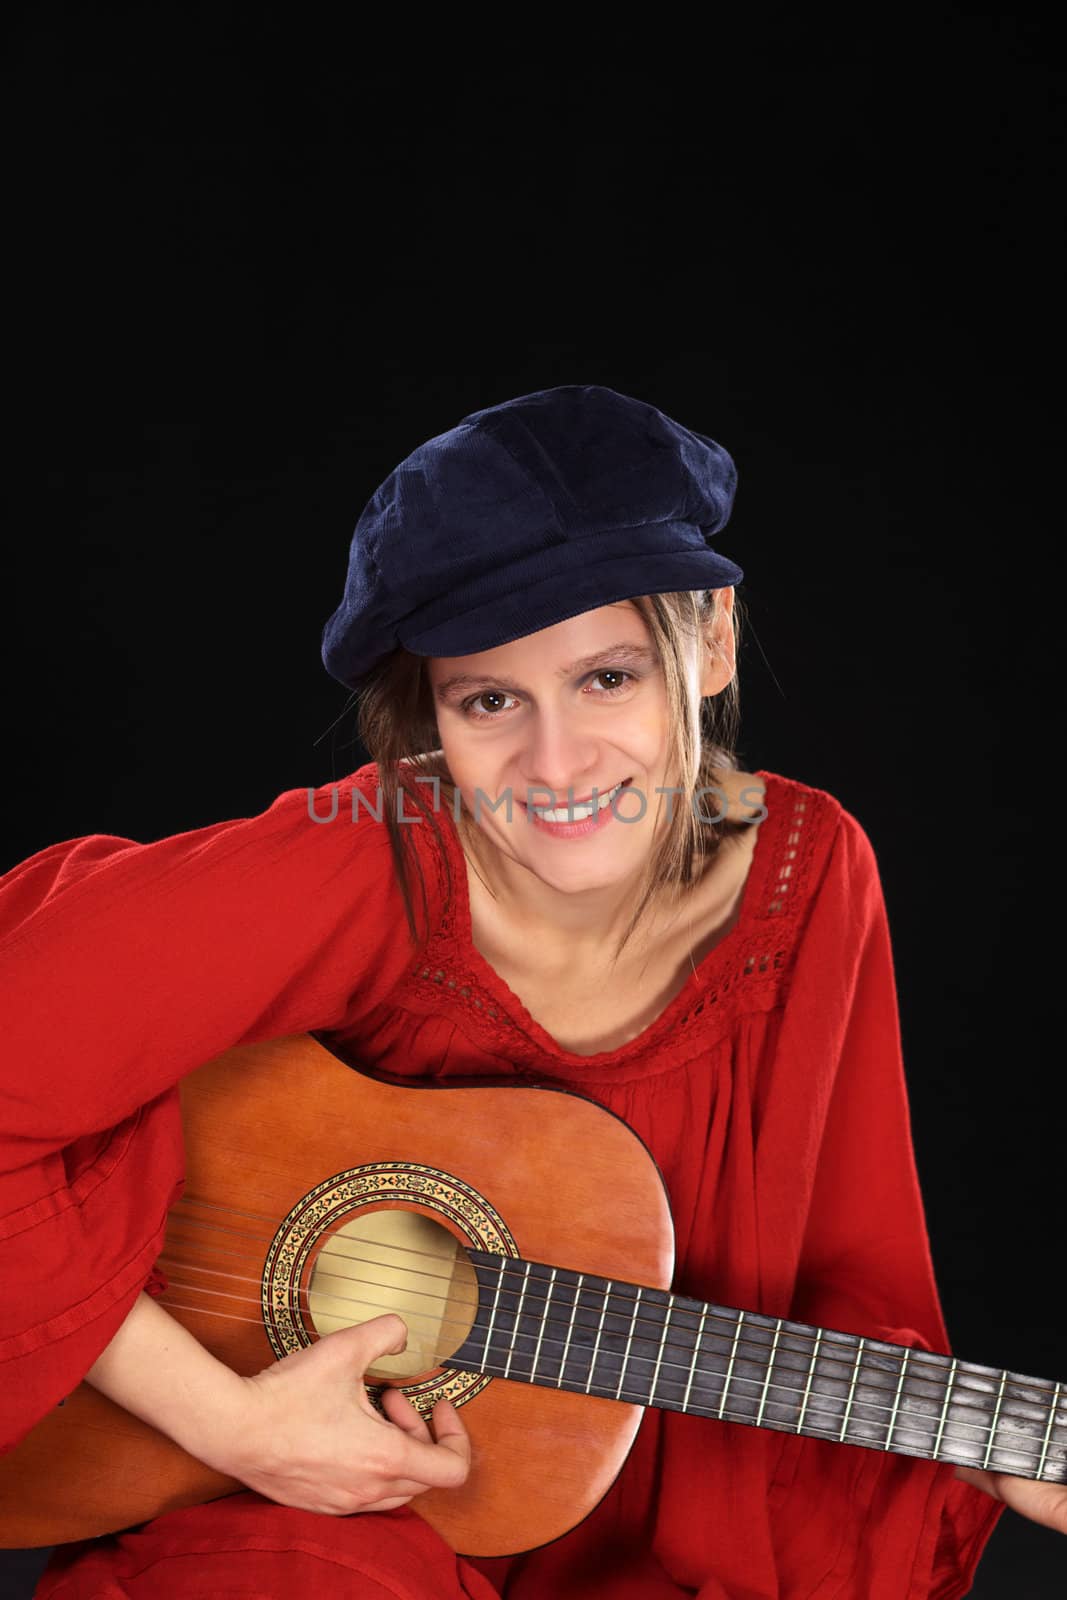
(296,1168)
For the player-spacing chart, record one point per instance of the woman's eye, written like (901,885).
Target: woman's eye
(486,694)
(475,708)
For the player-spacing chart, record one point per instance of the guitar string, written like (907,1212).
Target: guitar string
(908,1416)
(931,1362)
(467,1328)
(910,1423)
(470,1330)
(918,1358)
(937,1378)
(336,1239)
(929,1359)
(686,1366)
(834,1434)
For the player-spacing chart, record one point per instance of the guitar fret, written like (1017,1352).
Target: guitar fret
(896,1398)
(570,1329)
(662,1346)
(596,1342)
(544,1325)
(492,1315)
(696,1352)
(770,1368)
(1048,1431)
(730,1364)
(629,1342)
(993,1424)
(944,1409)
(518,1317)
(811,1374)
(851,1391)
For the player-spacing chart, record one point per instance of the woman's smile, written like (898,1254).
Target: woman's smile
(577,819)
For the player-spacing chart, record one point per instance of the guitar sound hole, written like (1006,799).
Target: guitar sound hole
(399,1261)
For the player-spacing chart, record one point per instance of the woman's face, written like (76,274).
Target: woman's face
(549,718)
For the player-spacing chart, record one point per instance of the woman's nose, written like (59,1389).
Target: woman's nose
(559,753)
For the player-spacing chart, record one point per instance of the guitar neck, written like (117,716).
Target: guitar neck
(566,1330)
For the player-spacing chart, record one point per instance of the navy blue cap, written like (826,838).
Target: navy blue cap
(524,514)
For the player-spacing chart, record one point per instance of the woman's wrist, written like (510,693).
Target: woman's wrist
(156,1369)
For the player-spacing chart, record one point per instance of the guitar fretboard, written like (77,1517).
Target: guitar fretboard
(562,1329)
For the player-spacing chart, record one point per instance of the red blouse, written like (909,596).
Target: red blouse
(770,1091)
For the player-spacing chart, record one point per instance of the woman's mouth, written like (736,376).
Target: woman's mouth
(574,821)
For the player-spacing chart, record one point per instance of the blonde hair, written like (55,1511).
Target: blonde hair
(397,724)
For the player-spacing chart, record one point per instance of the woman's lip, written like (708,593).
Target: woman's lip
(588,797)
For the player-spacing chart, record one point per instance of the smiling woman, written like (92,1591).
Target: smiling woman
(667,731)
(557,902)
(533,604)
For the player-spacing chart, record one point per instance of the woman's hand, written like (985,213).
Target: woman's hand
(309,1436)
(1041,1502)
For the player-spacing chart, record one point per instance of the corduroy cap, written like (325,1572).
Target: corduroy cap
(524,514)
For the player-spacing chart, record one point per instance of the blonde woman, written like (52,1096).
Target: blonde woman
(573,882)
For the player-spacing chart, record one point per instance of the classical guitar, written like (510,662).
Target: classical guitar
(524,1236)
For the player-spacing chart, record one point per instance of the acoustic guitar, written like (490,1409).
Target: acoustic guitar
(524,1236)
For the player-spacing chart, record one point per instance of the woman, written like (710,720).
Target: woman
(533,612)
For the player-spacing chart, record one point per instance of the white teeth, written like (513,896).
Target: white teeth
(579,813)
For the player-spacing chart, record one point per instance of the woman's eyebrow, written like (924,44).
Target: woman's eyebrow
(624,651)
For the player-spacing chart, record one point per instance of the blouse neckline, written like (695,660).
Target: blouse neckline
(721,954)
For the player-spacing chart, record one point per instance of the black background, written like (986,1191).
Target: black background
(254,263)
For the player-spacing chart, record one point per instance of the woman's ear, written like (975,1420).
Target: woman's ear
(718,648)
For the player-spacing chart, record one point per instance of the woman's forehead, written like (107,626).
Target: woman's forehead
(565,643)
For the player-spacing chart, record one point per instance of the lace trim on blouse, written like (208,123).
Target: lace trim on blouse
(746,968)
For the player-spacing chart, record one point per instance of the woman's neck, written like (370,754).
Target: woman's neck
(583,928)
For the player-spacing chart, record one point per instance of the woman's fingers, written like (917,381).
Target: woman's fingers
(446,1463)
(447,1424)
(400,1411)
(319,1441)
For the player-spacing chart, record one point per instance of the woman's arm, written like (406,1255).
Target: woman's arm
(123,967)
(301,1432)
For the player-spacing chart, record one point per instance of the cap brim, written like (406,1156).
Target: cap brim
(515,615)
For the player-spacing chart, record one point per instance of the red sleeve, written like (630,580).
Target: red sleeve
(864,1264)
(125,966)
